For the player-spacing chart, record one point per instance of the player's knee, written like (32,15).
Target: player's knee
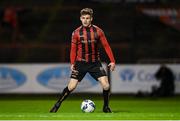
(106,86)
(71,88)
(72,84)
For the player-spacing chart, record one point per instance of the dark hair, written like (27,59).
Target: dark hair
(86,11)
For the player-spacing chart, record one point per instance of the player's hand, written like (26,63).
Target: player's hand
(111,66)
(72,67)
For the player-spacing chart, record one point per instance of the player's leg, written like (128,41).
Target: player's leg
(106,93)
(71,86)
(76,76)
(100,75)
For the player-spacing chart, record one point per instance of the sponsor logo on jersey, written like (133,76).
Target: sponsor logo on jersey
(88,41)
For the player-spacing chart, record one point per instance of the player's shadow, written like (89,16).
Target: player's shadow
(121,111)
(118,111)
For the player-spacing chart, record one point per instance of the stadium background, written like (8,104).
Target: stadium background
(143,34)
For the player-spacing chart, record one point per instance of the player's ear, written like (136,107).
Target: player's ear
(91,18)
(80,18)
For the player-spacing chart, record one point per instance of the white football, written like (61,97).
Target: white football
(88,106)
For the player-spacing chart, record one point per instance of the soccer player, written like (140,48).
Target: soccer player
(84,57)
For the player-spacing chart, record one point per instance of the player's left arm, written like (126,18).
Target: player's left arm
(108,50)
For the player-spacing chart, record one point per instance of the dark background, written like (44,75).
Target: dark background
(45,28)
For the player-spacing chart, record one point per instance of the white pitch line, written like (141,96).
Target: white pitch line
(90,120)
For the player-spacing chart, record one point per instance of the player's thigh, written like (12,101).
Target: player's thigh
(72,84)
(97,71)
(80,71)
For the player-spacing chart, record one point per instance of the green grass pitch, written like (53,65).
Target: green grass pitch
(36,107)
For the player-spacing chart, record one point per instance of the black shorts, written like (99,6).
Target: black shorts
(95,69)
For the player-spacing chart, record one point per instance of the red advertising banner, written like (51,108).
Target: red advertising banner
(169,16)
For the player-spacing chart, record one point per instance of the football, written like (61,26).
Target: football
(87,106)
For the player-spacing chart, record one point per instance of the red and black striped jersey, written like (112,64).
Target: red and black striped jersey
(84,44)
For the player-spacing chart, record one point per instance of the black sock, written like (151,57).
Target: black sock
(106,95)
(63,96)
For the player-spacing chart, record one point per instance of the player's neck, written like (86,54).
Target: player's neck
(87,26)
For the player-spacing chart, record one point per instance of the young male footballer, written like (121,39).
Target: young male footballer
(84,57)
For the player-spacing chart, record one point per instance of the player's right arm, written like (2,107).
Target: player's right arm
(73,51)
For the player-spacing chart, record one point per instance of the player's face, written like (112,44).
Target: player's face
(86,20)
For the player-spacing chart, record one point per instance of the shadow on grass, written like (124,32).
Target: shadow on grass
(116,111)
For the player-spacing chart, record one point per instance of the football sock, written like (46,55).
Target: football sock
(64,95)
(106,95)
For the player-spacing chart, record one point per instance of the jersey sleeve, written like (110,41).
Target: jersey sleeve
(73,48)
(106,46)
